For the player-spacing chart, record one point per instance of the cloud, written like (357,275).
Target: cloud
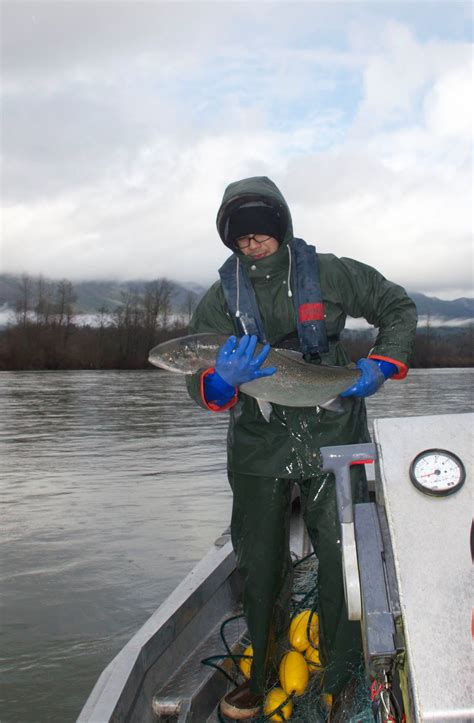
(397,71)
(448,107)
(60,39)
(123,122)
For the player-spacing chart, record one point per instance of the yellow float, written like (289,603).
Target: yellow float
(294,673)
(245,664)
(275,698)
(327,699)
(298,632)
(312,658)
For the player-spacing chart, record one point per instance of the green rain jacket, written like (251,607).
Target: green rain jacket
(287,446)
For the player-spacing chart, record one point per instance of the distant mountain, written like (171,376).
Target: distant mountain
(435,308)
(93,296)
(9,289)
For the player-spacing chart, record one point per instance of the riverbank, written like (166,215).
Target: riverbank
(55,346)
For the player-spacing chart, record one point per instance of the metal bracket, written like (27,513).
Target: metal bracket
(378,627)
(338,461)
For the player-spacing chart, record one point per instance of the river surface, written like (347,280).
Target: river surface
(113,486)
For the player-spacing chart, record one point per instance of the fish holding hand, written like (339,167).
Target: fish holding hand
(294,383)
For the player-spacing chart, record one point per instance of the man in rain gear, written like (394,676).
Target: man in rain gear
(276,288)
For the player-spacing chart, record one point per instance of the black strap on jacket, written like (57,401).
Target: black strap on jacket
(307,299)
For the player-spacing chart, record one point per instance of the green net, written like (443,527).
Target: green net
(312,705)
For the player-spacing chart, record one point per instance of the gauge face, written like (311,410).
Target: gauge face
(437,472)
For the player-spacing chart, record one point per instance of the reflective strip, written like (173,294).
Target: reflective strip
(363,461)
(311,312)
(402,368)
(210,405)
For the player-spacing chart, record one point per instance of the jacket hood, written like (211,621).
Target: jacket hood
(254,189)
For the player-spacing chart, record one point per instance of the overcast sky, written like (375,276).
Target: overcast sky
(122,123)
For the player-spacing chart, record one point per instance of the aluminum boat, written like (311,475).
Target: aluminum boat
(407,573)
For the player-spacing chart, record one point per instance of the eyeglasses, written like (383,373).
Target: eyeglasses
(243,242)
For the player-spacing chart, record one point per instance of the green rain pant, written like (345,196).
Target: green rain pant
(260,536)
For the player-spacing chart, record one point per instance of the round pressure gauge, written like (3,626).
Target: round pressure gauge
(437,472)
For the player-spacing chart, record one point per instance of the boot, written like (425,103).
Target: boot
(241,703)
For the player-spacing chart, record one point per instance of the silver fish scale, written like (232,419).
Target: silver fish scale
(294,384)
(298,384)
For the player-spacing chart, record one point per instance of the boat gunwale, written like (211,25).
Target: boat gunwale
(114,692)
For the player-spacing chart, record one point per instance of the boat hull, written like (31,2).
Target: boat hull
(160,668)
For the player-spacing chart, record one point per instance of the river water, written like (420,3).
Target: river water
(113,486)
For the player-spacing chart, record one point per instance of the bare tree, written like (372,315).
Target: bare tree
(44,301)
(189,306)
(24,302)
(129,321)
(103,317)
(166,289)
(157,307)
(64,300)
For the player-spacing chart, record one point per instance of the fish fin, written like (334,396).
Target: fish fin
(265,408)
(333,405)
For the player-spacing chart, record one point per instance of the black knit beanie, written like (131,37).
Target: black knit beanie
(254,219)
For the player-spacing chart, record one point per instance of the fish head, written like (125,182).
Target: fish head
(186,354)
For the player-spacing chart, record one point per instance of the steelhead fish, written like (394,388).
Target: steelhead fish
(294,384)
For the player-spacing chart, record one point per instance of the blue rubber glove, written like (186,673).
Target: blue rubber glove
(374,374)
(236,363)
(217,391)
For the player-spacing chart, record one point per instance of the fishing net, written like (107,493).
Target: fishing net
(313,705)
